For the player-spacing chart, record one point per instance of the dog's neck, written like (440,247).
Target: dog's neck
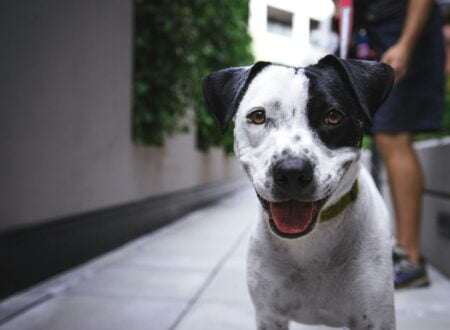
(335,209)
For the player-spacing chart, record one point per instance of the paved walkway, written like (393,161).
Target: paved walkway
(187,276)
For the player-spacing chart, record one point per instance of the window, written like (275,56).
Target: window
(279,21)
(313,24)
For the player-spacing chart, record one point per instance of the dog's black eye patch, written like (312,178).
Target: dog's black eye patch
(347,134)
(332,112)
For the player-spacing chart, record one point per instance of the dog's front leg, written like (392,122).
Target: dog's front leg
(270,322)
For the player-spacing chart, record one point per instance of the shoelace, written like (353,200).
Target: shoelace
(405,265)
(402,262)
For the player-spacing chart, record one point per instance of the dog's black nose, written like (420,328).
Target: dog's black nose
(293,173)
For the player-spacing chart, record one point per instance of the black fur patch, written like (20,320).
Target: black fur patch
(327,91)
(224,89)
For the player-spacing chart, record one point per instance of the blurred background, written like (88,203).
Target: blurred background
(104,136)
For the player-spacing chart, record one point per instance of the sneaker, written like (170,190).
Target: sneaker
(408,274)
(398,253)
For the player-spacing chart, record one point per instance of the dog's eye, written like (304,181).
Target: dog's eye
(333,117)
(257,117)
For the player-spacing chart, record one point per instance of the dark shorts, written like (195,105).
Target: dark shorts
(416,103)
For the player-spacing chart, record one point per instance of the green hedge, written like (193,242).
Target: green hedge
(177,42)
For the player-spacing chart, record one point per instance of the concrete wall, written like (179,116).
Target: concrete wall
(65,88)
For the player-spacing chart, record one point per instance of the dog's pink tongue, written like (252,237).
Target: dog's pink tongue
(292,217)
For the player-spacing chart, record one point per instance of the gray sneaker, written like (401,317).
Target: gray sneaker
(408,274)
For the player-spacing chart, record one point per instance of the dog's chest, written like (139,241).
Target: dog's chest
(315,298)
(311,293)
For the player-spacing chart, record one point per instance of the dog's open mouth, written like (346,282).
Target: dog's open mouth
(293,218)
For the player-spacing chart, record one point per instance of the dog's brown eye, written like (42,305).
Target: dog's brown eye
(257,117)
(333,117)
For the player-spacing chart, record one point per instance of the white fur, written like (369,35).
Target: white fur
(340,274)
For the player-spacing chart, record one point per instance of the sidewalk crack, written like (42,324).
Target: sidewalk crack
(208,280)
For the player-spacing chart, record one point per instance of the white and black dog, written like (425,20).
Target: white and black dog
(320,252)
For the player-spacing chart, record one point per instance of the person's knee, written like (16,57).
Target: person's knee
(390,144)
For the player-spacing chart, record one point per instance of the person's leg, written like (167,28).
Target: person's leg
(406,183)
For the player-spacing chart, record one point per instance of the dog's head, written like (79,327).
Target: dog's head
(298,131)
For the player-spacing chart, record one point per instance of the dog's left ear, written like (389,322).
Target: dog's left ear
(223,90)
(370,81)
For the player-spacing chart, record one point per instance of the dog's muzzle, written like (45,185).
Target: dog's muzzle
(296,214)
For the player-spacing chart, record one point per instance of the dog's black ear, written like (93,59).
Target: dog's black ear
(223,90)
(370,81)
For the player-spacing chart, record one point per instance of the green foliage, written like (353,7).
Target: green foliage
(177,42)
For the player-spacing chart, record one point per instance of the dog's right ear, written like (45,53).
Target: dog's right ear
(223,90)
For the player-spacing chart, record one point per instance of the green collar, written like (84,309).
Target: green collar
(333,210)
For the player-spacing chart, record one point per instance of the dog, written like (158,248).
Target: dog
(320,252)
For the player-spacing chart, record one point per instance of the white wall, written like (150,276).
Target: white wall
(296,50)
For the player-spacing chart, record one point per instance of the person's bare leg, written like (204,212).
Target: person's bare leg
(406,183)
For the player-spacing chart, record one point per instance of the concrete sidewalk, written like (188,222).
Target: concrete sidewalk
(187,276)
